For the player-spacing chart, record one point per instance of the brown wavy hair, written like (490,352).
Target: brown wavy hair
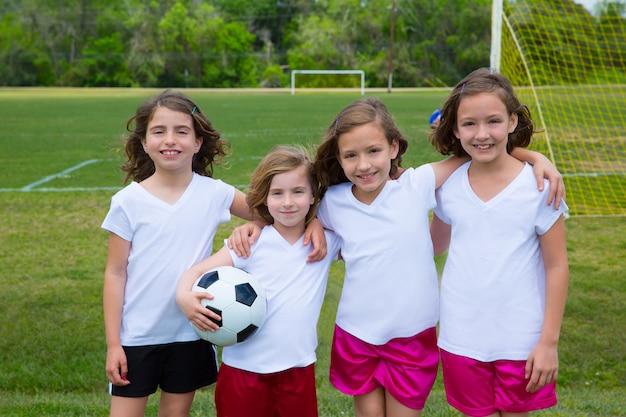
(138,165)
(358,113)
(482,80)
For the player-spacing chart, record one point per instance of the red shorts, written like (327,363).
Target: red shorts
(404,367)
(482,388)
(281,394)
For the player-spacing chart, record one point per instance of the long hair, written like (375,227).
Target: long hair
(479,81)
(138,165)
(280,159)
(358,113)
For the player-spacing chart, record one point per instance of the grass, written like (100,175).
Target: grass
(52,251)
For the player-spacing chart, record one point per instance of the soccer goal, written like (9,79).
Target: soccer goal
(361,73)
(569,67)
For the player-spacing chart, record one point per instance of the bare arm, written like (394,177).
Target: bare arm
(239,206)
(443,169)
(440,234)
(543,168)
(113,300)
(244,236)
(315,233)
(189,301)
(543,364)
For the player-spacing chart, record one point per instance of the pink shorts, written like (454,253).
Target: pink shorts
(404,367)
(482,388)
(287,393)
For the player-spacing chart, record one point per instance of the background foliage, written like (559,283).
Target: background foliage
(247,43)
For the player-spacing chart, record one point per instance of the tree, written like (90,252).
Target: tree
(247,43)
(612,33)
(23,64)
(177,32)
(226,53)
(103,63)
(145,61)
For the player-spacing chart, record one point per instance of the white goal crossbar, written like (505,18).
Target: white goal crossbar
(294,72)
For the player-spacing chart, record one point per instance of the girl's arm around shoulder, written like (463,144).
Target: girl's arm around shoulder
(243,236)
(443,169)
(239,206)
(543,168)
(189,301)
(333,243)
(314,234)
(542,364)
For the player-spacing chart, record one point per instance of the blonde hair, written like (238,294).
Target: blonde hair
(280,159)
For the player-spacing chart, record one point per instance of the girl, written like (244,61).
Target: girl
(160,225)
(272,373)
(384,350)
(505,279)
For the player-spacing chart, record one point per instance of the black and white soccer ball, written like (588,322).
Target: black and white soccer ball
(238,298)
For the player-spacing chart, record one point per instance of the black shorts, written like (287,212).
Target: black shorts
(175,367)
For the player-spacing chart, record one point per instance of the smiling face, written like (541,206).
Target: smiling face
(365,156)
(289,199)
(483,126)
(171,141)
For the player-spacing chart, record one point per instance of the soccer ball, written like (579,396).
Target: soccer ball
(238,298)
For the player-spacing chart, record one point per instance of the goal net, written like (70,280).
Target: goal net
(332,79)
(569,67)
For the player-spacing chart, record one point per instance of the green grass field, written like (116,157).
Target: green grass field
(587,141)
(58,171)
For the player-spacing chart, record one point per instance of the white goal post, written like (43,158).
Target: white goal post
(496,34)
(294,72)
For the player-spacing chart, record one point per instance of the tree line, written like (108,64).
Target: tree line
(243,43)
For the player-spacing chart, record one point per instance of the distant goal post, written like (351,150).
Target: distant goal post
(323,72)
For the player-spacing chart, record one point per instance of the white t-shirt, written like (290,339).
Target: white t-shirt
(493,284)
(390,288)
(166,241)
(295,291)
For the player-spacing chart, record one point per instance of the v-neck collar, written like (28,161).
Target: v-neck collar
(503,194)
(183,197)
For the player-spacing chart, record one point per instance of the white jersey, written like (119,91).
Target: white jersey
(166,241)
(493,284)
(295,291)
(390,288)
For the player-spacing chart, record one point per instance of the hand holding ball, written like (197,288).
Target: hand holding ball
(238,298)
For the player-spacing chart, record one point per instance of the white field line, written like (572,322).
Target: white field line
(59,174)
(32,186)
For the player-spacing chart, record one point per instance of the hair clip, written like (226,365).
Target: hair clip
(336,123)
(193,110)
(462,87)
